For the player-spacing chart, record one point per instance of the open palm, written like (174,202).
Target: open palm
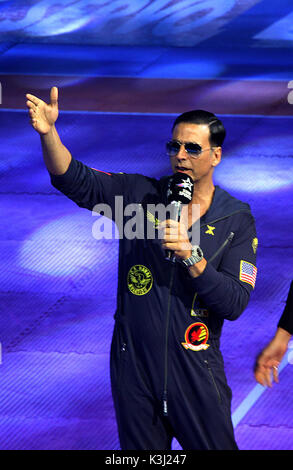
(43,116)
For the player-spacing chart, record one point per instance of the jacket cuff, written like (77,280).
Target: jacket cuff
(207,281)
(286,321)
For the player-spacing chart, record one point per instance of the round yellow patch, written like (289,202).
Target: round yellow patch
(139,280)
(254,245)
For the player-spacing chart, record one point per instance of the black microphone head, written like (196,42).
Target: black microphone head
(180,188)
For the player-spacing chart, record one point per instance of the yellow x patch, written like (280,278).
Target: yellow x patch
(210,230)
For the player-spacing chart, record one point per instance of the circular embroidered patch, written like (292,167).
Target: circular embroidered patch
(196,337)
(139,280)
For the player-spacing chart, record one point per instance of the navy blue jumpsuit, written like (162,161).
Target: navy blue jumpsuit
(167,371)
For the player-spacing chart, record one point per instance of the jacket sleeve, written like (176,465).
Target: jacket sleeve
(226,291)
(286,320)
(88,187)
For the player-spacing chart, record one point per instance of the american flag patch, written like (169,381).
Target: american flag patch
(247,273)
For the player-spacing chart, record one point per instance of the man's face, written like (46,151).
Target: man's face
(201,166)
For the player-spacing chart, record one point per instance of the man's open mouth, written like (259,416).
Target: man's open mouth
(182,168)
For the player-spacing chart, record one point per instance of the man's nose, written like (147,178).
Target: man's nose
(181,155)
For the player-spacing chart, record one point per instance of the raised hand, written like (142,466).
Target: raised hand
(43,116)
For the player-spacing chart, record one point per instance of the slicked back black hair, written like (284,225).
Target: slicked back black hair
(198,116)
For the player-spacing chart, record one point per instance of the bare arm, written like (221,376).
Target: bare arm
(43,117)
(269,359)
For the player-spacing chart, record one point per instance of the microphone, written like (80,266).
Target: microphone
(179,192)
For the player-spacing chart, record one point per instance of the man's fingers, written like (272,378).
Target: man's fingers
(172,231)
(276,374)
(54,96)
(273,365)
(171,227)
(168,223)
(260,374)
(268,376)
(30,104)
(275,368)
(259,377)
(33,99)
(36,101)
(174,245)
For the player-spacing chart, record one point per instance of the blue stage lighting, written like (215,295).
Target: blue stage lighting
(255,173)
(66,247)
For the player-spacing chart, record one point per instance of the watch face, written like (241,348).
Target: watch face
(197,251)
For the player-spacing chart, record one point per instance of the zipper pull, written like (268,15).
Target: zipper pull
(165,404)
(231,236)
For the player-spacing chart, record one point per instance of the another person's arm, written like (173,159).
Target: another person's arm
(267,362)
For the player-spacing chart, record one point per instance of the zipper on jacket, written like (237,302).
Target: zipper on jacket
(173,266)
(213,379)
(229,239)
(165,392)
(225,217)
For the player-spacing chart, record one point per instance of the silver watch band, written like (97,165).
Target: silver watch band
(196,256)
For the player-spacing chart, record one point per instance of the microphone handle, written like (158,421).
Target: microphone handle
(175,213)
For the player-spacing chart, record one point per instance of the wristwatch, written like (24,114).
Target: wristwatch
(196,256)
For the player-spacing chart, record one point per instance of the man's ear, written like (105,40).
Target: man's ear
(217,156)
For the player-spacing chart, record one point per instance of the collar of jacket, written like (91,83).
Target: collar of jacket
(223,205)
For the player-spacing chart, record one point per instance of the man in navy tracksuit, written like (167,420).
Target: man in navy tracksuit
(167,371)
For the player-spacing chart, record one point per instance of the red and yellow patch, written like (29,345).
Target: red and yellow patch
(196,337)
